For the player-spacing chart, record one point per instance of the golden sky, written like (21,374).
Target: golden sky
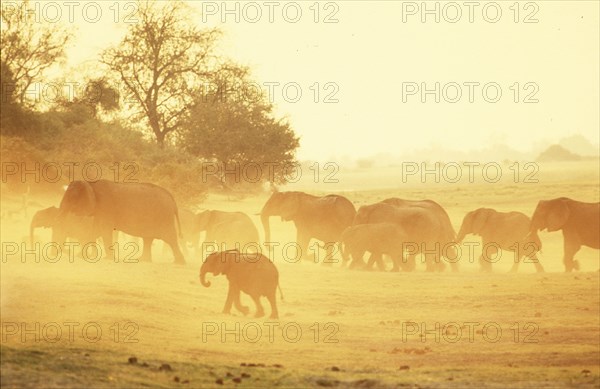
(369,54)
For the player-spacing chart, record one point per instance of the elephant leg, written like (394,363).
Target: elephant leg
(260,312)
(107,240)
(329,251)
(272,297)
(171,240)
(352,262)
(370,262)
(429,263)
(303,240)
(569,253)
(238,304)
(484,264)
(229,300)
(515,266)
(409,263)
(357,260)
(378,257)
(452,257)
(184,248)
(536,262)
(147,249)
(396,261)
(432,258)
(485,259)
(339,248)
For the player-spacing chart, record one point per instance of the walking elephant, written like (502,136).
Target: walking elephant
(377,239)
(45,218)
(579,222)
(253,274)
(71,226)
(437,209)
(501,230)
(427,227)
(229,230)
(322,218)
(138,209)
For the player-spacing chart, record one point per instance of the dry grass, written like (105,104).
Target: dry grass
(358,322)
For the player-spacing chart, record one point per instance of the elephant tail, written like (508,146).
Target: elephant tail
(280,292)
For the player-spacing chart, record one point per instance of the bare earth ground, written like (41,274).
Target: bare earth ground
(337,328)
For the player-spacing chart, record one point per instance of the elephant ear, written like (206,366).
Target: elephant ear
(363,214)
(79,199)
(480,218)
(558,214)
(227,259)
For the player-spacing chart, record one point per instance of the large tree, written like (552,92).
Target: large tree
(29,45)
(232,124)
(159,61)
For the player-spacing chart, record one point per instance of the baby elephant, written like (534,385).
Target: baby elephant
(251,273)
(376,238)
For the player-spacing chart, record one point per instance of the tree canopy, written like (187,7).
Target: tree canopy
(167,73)
(159,61)
(29,46)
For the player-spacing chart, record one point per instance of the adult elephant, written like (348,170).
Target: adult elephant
(323,218)
(579,222)
(437,209)
(230,229)
(445,236)
(138,209)
(424,231)
(501,230)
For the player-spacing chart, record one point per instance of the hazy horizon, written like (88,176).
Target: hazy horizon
(559,56)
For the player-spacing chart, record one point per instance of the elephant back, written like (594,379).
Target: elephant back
(341,209)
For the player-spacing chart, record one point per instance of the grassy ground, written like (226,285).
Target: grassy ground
(81,324)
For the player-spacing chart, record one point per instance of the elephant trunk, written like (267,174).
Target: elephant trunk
(534,238)
(203,272)
(537,223)
(462,233)
(31,228)
(264,218)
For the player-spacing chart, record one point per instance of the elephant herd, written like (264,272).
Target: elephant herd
(401,229)
(397,228)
